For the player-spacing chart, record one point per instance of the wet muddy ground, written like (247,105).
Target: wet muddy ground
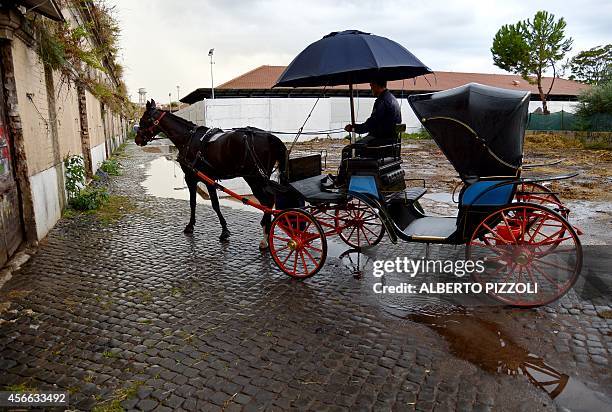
(134,314)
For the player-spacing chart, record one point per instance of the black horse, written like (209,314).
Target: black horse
(247,153)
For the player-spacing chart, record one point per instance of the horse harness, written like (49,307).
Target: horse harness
(199,142)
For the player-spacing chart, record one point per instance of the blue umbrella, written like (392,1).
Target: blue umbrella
(351,57)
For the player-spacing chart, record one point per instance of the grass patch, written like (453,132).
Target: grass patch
(420,135)
(20,387)
(114,209)
(111,166)
(110,355)
(114,403)
(89,198)
(544,140)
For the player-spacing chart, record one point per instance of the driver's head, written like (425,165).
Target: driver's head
(378,86)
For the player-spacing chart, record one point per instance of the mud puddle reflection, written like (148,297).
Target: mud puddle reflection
(165,178)
(481,342)
(485,345)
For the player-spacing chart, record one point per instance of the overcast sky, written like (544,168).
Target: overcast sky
(165,43)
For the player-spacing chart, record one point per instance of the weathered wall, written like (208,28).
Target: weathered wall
(68,123)
(30,81)
(95,127)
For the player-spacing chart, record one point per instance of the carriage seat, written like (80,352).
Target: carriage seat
(312,191)
(388,169)
(431,228)
(483,193)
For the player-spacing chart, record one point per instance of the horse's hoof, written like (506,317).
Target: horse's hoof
(224,235)
(263,245)
(188,229)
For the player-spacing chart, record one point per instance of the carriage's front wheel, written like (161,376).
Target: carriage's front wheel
(358,224)
(530,254)
(297,243)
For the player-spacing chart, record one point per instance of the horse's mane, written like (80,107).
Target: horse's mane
(185,122)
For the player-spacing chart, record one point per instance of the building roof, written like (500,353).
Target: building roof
(259,81)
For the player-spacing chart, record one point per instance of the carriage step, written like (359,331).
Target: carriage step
(408,195)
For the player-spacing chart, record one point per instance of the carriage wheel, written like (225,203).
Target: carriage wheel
(531,192)
(358,224)
(297,243)
(526,244)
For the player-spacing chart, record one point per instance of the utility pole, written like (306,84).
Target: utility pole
(170,101)
(178,96)
(212,83)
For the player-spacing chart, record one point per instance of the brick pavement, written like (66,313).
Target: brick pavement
(133,314)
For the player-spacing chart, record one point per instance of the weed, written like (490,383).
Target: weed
(111,166)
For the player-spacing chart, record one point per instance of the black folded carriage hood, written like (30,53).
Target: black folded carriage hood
(479,128)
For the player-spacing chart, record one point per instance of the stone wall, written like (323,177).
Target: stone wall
(50,117)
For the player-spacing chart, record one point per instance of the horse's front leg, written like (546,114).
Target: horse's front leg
(214,200)
(192,184)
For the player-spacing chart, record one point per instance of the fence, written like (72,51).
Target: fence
(563,120)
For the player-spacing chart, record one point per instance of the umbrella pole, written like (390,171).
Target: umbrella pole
(352,116)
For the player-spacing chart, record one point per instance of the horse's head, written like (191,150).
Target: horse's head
(148,126)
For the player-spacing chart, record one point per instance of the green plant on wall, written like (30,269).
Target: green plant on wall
(81,197)
(74,166)
(82,52)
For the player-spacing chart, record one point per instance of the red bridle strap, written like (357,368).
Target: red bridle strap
(155,122)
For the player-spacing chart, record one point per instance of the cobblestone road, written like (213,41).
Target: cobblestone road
(133,314)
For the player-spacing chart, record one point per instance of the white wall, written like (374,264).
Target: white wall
(98,155)
(45,197)
(288,114)
(554,106)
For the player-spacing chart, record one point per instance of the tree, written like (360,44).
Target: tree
(593,66)
(530,48)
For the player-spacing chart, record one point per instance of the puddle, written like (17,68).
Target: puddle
(483,344)
(165,178)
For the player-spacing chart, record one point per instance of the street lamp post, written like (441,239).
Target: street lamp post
(170,101)
(178,96)
(212,84)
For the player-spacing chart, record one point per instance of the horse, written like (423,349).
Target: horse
(248,153)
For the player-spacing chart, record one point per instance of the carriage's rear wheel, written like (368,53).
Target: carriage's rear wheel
(358,224)
(526,244)
(297,243)
(532,192)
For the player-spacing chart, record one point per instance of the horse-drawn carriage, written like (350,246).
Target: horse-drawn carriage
(515,225)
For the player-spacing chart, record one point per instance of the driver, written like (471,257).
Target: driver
(381,124)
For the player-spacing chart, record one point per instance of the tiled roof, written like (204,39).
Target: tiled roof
(264,77)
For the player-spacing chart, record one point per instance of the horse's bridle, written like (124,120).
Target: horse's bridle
(149,130)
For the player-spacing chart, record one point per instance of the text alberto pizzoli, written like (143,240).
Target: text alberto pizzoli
(459,268)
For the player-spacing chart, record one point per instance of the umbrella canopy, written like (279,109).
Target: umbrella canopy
(351,57)
(479,128)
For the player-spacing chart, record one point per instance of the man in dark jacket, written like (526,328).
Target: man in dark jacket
(381,124)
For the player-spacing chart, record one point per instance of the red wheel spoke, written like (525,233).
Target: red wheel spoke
(365,235)
(554,265)
(288,256)
(310,246)
(509,227)
(295,262)
(495,234)
(370,230)
(311,257)
(541,271)
(304,263)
